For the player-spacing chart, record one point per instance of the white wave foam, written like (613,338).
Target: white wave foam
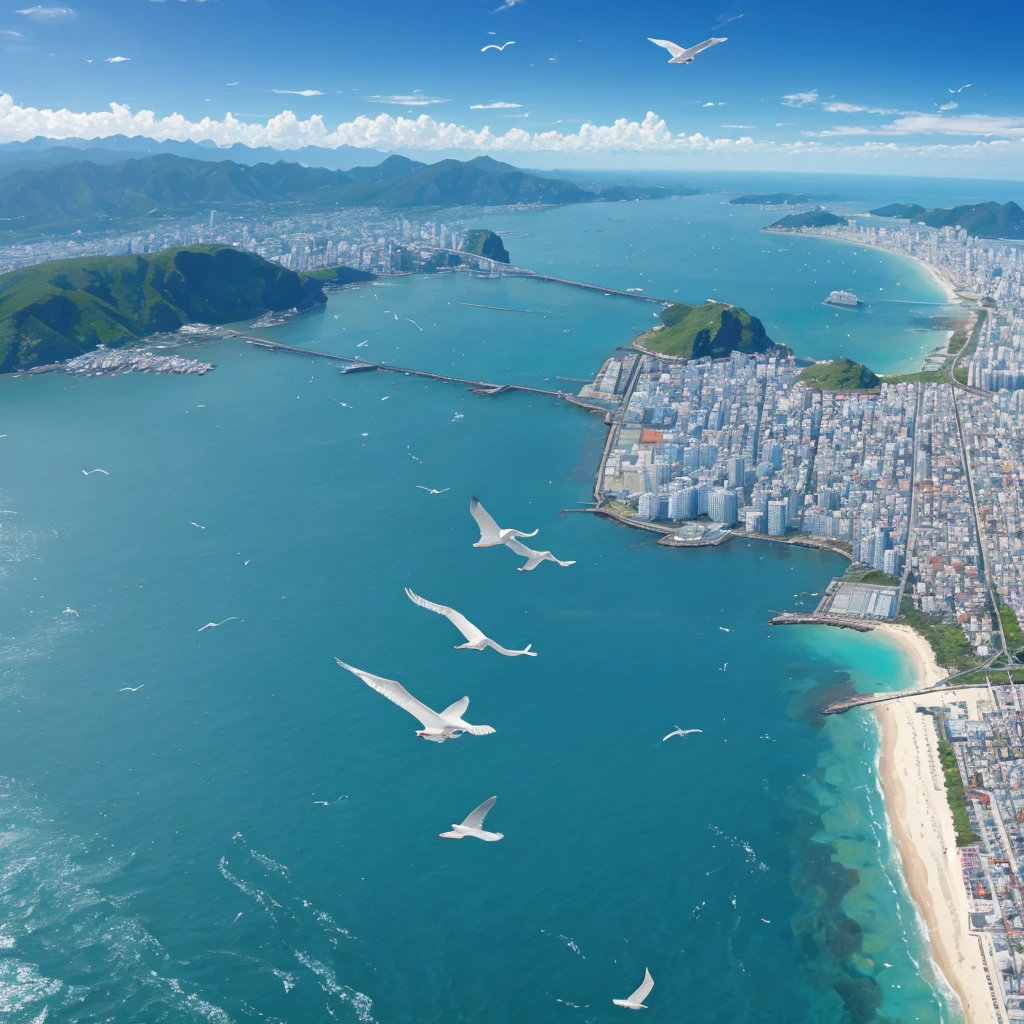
(360,1002)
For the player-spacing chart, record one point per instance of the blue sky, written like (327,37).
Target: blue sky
(798,85)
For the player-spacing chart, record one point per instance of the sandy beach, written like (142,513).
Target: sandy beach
(915,798)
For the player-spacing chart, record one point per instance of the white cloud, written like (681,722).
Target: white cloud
(296,92)
(800,99)
(9,33)
(229,84)
(724,19)
(115,60)
(740,127)
(45,13)
(417,99)
(951,105)
(984,125)
(853,108)
(495,106)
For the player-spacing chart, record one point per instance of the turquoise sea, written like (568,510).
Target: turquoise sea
(252,835)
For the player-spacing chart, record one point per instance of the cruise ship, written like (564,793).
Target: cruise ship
(842,299)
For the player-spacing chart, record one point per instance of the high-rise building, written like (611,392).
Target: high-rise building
(648,506)
(737,471)
(777,518)
(723,506)
(682,504)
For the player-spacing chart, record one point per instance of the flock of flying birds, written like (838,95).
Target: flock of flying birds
(439,726)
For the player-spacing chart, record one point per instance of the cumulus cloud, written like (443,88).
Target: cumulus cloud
(296,92)
(495,106)
(417,99)
(951,105)
(800,99)
(46,13)
(115,60)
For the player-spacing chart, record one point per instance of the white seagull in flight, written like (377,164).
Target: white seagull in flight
(131,689)
(69,611)
(533,558)
(431,490)
(961,89)
(475,639)
(636,1000)
(448,725)
(214,625)
(681,55)
(679,732)
(491,534)
(494,46)
(473,825)
(89,472)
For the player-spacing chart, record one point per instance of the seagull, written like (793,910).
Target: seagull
(416,457)
(431,490)
(385,398)
(69,611)
(365,434)
(89,472)
(680,55)
(494,46)
(679,732)
(475,640)
(214,625)
(724,667)
(636,1000)
(491,534)
(131,689)
(961,89)
(725,629)
(196,525)
(437,728)
(473,825)
(533,558)
(361,344)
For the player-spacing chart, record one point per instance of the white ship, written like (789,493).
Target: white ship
(842,299)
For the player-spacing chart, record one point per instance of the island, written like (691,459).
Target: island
(983,220)
(811,219)
(482,242)
(713,329)
(781,199)
(55,311)
(839,375)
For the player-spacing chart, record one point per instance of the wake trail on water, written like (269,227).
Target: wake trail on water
(309,935)
(68,948)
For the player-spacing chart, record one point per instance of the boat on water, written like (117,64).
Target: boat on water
(840,298)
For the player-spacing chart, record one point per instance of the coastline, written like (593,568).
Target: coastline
(921,824)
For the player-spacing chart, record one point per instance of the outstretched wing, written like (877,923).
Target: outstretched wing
(670,46)
(457,619)
(644,990)
(454,712)
(398,694)
(475,818)
(489,529)
(703,46)
(521,549)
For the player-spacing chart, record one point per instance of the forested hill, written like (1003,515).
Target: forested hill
(54,311)
(84,193)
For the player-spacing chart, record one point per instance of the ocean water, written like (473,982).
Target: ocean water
(252,835)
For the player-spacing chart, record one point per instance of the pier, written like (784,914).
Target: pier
(861,700)
(478,387)
(796,619)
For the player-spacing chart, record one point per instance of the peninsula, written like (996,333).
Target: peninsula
(55,311)
(983,220)
(714,329)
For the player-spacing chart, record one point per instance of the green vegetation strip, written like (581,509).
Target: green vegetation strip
(952,649)
(1011,627)
(965,835)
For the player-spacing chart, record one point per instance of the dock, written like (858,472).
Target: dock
(478,387)
(796,619)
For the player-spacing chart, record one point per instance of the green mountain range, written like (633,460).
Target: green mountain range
(54,311)
(85,193)
(839,375)
(713,329)
(983,220)
(812,219)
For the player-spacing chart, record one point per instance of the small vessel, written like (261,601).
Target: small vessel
(841,298)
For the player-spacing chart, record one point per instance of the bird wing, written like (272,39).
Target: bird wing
(475,818)
(489,529)
(454,712)
(668,45)
(644,990)
(703,46)
(521,549)
(398,694)
(457,619)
